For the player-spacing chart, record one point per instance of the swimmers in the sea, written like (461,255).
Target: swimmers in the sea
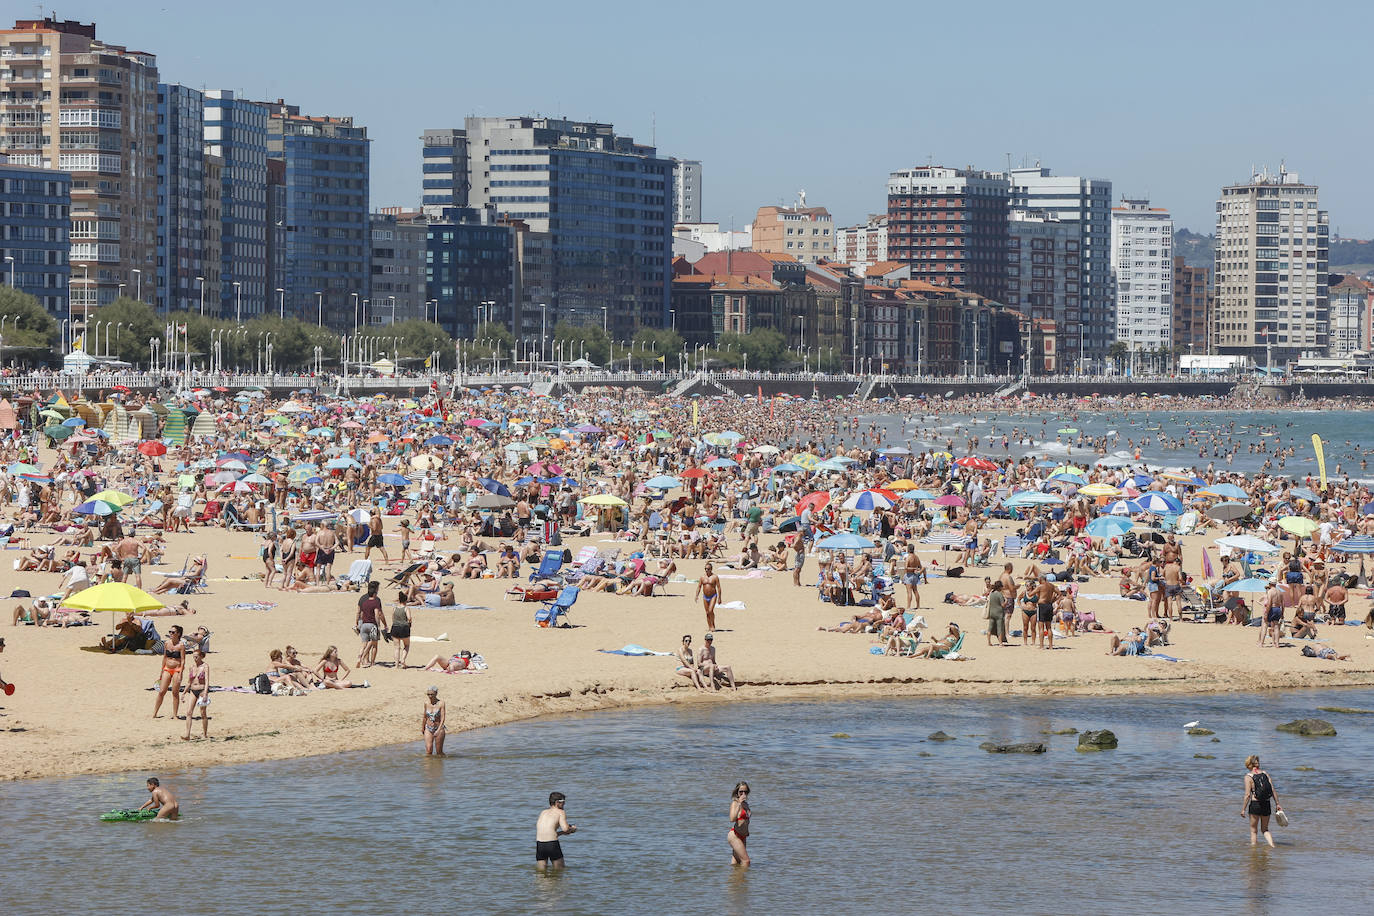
(552,824)
(738,836)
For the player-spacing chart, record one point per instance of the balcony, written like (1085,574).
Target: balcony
(103,163)
(90,117)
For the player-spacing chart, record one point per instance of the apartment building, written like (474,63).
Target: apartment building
(444,170)
(35,220)
(180,197)
(236,133)
(1271,270)
(1142,264)
(398,291)
(805,233)
(1192,314)
(72,102)
(863,245)
(686,191)
(1044,276)
(950,225)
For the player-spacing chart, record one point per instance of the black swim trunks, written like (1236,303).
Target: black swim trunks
(1045,612)
(374,540)
(1337,612)
(551,852)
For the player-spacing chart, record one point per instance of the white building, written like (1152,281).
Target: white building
(712,238)
(686,190)
(1143,263)
(863,245)
(1271,269)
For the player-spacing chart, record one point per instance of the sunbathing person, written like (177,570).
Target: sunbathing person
(1133,643)
(474,565)
(278,672)
(857,624)
(332,672)
(457,663)
(1324,652)
(193,575)
(943,646)
(712,672)
(443,598)
(1157,632)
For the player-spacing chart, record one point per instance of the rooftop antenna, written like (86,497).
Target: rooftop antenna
(1008,162)
(653,128)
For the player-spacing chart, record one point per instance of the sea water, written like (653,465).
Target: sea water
(855,810)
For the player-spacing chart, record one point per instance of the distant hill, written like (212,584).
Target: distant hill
(1198,250)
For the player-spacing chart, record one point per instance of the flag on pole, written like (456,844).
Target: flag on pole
(1207,571)
(429,361)
(79,343)
(1321,457)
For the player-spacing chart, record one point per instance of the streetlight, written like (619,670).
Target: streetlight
(138,283)
(238,300)
(603,321)
(281,303)
(319,309)
(435,303)
(9,259)
(355,312)
(543,329)
(119,294)
(201,281)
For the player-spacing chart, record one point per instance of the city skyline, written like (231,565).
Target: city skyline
(698,88)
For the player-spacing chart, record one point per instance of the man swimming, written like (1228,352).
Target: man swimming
(161,799)
(552,824)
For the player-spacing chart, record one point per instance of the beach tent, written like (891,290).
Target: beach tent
(384,367)
(204,425)
(9,419)
(174,429)
(77,361)
(116,421)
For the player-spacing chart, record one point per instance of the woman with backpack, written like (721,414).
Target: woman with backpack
(1260,800)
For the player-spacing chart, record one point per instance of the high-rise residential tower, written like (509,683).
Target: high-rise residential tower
(35,218)
(180,197)
(1085,202)
(72,102)
(444,181)
(328,241)
(236,132)
(1143,263)
(605,202)
(686,190)
(1271,269)
(950,225)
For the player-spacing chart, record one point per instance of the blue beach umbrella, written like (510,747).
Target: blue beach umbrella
(1247,585)
(663,482)
(844,541)
(393,480)
(718,463)
(1160,503)
(1108,526)
(1358,544)
(494,486)
(1122,507)
(1226,490)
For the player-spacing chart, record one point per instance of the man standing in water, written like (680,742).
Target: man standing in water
(552,824)
(161,799)
(708,590)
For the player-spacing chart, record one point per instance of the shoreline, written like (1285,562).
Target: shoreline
(255,748)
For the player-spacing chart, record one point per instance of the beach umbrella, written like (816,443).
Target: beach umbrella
(493,501)
(320,515)
(949,499)
(903,485)
(693,473)
(236,486)
(95,507)
(815,501)
(114,597)
(231,464)
(20,467)
(1099,489)
(602,499)
(663,482)
(1068,477)
(894,451)
(806,460)
(1247,585)
(1159,503)
(1297,525)
(257,479)
(844,541)
(426,462)
(494,486)
(1248,543)
(1108,526)
(57,432)
(830,464)
(588,428)
(439,441)
(766,450)
(721,463)
(1304,493)
(976,463)
(1225,491)
(918,495)
(393,480)
(341,464)
(74,422)
(1358,544)
(1027,498)
(950,537)
(321,432)
(114,498)
(1122,507)
(787,468)
(867,501)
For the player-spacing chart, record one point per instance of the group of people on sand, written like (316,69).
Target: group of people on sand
(702,669)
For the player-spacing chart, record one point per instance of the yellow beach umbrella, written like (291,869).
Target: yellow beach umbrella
(806,460)
(903,485)
(602,499)
(1099,489)
(115,597)
(114,497)
(1296,524)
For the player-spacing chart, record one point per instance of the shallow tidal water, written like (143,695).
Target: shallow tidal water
(880,821)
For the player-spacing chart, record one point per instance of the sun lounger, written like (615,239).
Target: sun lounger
(552,611)
(1012,546)
(359,572)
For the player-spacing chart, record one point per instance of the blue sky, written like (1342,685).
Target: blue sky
(1170,99)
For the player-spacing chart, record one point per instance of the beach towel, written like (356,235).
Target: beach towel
(731,606)
(442,637)
(251,606)
(632,649)
(1163,658)
(1104,597)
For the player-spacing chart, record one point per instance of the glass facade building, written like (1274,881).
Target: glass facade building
(236,131)
(35,222)
(180,197)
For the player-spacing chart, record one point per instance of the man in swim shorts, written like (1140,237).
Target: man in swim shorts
(552,824)
(1046,594)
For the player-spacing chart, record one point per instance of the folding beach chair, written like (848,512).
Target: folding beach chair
(549,566)
(359,572)
(1012,546)
(549,614)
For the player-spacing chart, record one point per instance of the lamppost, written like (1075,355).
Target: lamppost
(138,283)
(543,329)
(201,281)
(355,311)
(603,321)
(672,319)
(238,301)
(435,303)
(319,309)
(119,293)
(9,259)
(392,299)
(281,303)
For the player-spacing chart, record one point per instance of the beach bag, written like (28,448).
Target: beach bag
(261,684)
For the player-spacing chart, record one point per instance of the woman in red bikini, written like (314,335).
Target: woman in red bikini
(739,825)
(173,660)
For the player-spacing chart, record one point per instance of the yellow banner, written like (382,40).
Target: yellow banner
(696,415)
(1321,457)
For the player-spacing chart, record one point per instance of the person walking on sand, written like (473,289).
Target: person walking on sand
(369,624)
(161,799)
(1260,800)
(375,536)
(708,590)
(1272,625)
(739,825)
(432,723)
(552,823)
(198,687)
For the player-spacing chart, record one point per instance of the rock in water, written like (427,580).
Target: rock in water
(940,736)
(1305,769)
(1201,731)
(1312,728)
(1026,747)
(1205,756)
(1060,731)
(1100,740)
(839,735)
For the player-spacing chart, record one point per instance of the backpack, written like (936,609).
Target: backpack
(1264,790)
(261,684)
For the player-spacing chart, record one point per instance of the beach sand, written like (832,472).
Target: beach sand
(84,712)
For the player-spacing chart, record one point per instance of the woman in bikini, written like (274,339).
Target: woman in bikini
(173,660)
(329,670)
(287,552)
(198,686)
(739,825)
(268,554)
(686,666)
(432,723)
